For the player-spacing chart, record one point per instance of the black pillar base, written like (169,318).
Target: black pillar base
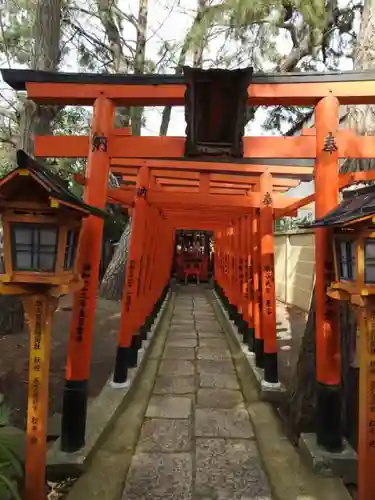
(120,375)
(232,312)
(135,345)
(270,368)
(259,352)
(144,329)
(249,339)
(74,410)
(241,324)
(238,321)
(328,417)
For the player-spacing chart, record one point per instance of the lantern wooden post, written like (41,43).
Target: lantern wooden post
(328,411)
(268,281)
(257,283)
(129,340)
(39,310)
(74,408)
(366,417)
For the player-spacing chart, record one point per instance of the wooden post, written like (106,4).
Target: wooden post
(329,432)
(40,310)
(366,417)
(258,341)
(268,281)
(84,304)
(249,293)
(129,339)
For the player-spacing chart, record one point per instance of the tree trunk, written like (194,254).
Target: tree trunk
(362,118)
(167,111)
(140,57)
(45,56)
(112,284)
(299,408)
(35,120)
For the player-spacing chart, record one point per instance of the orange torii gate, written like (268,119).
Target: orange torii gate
(249,236)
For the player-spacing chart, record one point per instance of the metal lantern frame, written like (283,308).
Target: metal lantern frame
(62,251)
(352,270)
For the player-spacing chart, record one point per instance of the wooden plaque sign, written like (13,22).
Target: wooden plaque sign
(215,111)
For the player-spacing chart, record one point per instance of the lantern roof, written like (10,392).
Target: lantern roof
(356,206)
(55,187)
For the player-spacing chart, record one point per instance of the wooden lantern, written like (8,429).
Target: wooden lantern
(215,111)
(352,227)
(41,225)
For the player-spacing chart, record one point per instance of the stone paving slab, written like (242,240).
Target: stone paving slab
(215,422)
(204,334)
(159,435)
(160,476)
(213,353)
(218,398)
(213,366)
(185,333)
(213,342)
(180,341)
(231,467)
(169,407)
(176,367)
(175,385)
(172,352)
(219,380)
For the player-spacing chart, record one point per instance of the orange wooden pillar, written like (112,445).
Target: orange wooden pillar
(74,405)
(268,281)
(329,433)
(236,313)
(222,266)
(227,266)
(248,286)
(144,291)
(242,282)
(216,266)
(129,338)
(256,286)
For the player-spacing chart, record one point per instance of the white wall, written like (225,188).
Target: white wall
(295,267)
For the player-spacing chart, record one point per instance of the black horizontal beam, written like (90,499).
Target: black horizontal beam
(17,78)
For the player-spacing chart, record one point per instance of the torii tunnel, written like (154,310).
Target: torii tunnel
(214,179)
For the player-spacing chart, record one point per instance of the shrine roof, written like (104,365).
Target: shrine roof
(356,205)
(17,78)
(52,183)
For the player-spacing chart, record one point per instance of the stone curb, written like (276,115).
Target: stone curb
(289,476)
(101,413)
(269,392)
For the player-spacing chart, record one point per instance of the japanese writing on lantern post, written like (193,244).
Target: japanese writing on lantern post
(370,343)
(86,275)
(35,372)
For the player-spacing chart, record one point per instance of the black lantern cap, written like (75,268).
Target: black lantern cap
(356,205)
(52,183)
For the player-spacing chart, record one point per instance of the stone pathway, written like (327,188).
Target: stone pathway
(197,441)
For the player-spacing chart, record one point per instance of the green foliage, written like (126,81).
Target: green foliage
(11,468)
